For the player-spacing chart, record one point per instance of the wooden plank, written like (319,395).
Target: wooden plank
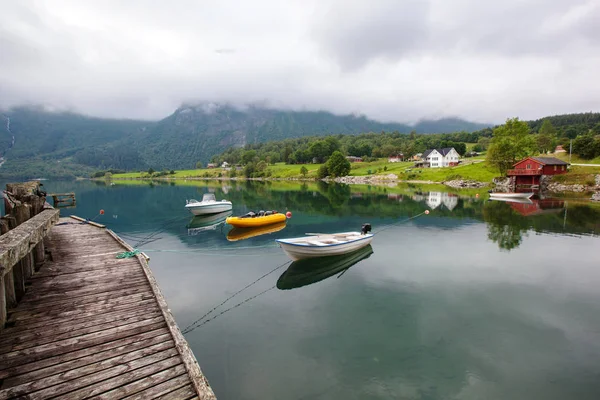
(55,333)
(163,377)
(94,289)
(45,343)
(155,352)
(67,345)
(184,393)
(78,357)
(59,269)
(92,223)
(77,315)
(199,381)
(162,388)
(81,281)
(98,298)
(108,379)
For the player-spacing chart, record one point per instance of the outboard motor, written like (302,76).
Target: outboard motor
(366,228)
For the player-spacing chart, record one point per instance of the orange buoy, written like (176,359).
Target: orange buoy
(477,195)
(101,212)
(426,212)
(288,214)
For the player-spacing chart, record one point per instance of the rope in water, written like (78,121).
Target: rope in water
(399,222)
(187,328)
(190,329)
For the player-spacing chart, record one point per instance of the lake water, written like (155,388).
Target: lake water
(477,300)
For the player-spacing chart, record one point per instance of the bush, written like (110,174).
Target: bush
(385,167)
(337,165)
(150,171)
(172,172)
(303,171)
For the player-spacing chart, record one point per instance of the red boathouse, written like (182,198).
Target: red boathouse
(529,171)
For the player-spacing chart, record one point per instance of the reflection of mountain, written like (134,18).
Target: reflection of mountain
(309,271)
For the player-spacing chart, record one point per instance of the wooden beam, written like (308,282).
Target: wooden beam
(97,225)
(20,241)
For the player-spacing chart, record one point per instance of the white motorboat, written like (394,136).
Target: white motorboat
(511,195)
(324,245)
(208,205)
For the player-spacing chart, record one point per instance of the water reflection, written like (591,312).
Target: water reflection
(246,233)
(306,272)
(202,223)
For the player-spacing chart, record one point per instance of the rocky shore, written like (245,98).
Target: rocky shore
(465,184)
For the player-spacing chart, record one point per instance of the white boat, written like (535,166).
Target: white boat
(511,195)
(323,245)
(208,205)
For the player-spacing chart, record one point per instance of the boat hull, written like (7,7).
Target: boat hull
(256,221)
(212,208)
(302,251)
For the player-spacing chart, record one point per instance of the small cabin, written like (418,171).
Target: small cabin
(211,165)
(529,171)
(559,149)
(396,158)
(354,159)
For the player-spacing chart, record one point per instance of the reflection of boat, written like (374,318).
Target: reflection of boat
(305,272)
(323,245)
(511,195)
(203,223)
(512,200)
(246,233)
(247,221)
(208,205)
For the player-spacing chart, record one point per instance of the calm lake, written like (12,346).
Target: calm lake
(477,300)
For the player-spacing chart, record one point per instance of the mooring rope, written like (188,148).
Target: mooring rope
(387,226)
(186,329)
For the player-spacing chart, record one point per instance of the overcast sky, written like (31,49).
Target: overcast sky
(399,60)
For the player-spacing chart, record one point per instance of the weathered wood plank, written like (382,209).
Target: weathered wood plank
(165,349)
(108,379)
(78,315)
(184,393)
(93,289)
(78,357)
(165,376)
(61,269)
(48,350)
(162,388)
(98,298)
(59,332)
(97,225)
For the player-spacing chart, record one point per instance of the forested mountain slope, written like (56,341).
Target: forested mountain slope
(49,144)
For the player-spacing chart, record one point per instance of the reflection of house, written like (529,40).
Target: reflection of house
(397,158)
(439,158)
(528,172)
(434,199)
(538,207)
(395,196)
(354,159)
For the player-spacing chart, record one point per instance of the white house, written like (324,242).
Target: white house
(438,158)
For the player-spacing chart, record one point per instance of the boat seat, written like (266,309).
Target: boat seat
(315,243)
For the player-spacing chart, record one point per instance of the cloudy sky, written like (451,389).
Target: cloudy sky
(396,60)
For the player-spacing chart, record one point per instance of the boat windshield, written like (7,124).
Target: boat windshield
(208,197)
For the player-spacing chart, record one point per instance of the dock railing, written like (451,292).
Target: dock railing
(27,222)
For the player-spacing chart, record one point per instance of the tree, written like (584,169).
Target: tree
(249,170)
(586,146)
(150,171)
(484,143)
(303,171)
(199,165)
(108,176)
(337,165)
(511,142)
(261,166)
(546,139)
(248,156)
(322,172)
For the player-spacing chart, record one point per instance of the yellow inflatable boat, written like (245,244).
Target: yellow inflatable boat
(249,221)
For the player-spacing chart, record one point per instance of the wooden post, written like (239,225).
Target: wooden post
(2,304)
(27,265)
(19,280)
(9,290)
(39,255)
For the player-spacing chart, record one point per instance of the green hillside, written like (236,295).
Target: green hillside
(49,144)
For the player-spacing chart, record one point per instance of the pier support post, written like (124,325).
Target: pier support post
(9,290)
(2,304)
(19,279)
(39,255)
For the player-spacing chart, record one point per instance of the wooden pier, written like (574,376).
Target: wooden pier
(89,325)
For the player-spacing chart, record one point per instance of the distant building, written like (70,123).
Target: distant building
(439,158)
(211,165)
(528,172)
(225,164)
(396,158)
(416,157)
(354,159)
(559,149)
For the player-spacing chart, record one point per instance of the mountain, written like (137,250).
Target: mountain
(35,142)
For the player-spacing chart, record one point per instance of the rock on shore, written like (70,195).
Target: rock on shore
(463,183)
(596,196)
